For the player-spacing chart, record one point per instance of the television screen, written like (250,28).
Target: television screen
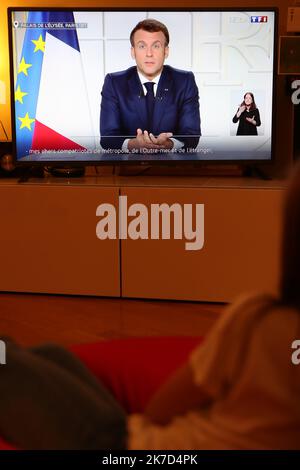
(142,85)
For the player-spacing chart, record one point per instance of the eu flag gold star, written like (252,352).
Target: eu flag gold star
(39,44)
(23,67)
(19,95)
(26,121)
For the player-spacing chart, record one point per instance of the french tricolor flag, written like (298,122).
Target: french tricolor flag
(56,97)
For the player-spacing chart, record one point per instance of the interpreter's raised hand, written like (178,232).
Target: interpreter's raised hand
(240,110)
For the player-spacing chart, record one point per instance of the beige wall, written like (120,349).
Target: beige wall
(284,126)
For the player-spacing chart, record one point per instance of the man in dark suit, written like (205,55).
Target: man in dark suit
(150,106)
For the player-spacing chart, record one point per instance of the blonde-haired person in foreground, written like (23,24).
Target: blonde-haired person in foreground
(240,389)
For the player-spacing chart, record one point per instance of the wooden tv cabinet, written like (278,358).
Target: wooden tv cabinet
(49,244)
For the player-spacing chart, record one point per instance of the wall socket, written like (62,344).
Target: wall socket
(293,20)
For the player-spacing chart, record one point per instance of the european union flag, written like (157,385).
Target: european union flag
(30,69)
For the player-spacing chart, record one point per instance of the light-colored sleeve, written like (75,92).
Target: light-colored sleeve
(177,144)
(125,145)
(217,361)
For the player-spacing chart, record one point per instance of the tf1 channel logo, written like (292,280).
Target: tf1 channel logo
(259,19)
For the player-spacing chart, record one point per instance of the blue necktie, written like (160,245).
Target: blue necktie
(150,100)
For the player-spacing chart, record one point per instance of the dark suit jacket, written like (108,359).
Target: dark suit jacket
(123,107)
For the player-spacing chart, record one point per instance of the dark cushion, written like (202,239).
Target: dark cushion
(132,369)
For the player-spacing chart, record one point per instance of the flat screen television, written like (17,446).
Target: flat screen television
(82,85)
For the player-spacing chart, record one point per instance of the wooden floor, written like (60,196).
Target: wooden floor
(32,319)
